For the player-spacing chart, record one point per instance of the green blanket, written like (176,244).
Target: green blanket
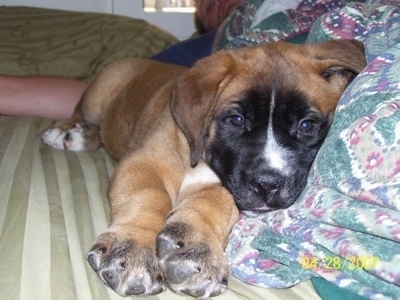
(72,44)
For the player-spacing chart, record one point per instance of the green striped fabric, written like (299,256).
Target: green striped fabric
(52,206)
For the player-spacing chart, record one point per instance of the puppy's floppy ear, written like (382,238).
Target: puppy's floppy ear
(194,97)
(339,60)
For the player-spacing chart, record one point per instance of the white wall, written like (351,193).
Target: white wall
(180,24)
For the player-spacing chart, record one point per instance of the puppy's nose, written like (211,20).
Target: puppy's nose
(267,185)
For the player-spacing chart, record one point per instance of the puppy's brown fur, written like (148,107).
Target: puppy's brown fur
(157,120)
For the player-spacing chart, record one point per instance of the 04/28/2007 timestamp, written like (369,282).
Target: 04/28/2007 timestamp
(339,263)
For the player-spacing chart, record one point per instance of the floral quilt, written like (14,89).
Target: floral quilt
(345,227)
(244,27)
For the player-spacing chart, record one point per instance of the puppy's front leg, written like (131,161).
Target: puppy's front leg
(191,245)
(124,257)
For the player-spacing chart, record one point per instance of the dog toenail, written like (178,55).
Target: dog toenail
(224,282)
(159,279)
(109,275)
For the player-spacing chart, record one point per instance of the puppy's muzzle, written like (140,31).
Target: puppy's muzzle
(267,185)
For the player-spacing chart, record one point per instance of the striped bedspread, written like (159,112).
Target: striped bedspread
(52,206)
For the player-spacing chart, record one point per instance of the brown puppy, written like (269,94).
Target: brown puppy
(237,127)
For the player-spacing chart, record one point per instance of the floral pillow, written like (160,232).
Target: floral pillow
(252,23)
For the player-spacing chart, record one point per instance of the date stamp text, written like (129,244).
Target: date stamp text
(338,263)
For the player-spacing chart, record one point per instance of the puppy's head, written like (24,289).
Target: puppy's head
(258,115)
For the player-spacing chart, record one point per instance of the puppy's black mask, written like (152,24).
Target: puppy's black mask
(264,146)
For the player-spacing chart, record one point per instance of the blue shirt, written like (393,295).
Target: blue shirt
(187,52)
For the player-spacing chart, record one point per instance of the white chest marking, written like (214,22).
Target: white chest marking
(201,174)
(274,153)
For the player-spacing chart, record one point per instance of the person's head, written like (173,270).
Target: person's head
(211,13)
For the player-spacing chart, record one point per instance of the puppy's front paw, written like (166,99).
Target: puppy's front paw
(126,267)
(191,267)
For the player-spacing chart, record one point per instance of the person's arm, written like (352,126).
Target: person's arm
(50,97)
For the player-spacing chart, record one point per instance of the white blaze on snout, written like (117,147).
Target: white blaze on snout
(274,153)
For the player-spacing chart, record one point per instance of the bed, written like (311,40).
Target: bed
(53,203)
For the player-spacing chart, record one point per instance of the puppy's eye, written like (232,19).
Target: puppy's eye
(237,120)
(305,126)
